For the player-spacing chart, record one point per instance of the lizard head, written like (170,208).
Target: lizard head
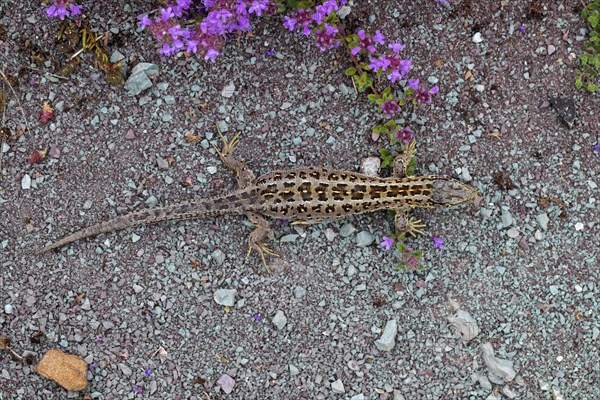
(450,192)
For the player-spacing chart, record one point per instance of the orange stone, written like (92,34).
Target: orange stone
(68,370)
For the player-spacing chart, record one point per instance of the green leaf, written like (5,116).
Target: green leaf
(592,87)
(351,71)
(578,83)
(372,97)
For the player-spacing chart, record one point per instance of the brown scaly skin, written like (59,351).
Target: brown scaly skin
(302,195)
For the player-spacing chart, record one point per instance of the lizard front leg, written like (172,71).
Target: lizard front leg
(244,175)
(405,224)
(256,237)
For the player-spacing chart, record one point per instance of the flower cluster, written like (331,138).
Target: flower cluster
(325,32)
(222,17)
(63,9)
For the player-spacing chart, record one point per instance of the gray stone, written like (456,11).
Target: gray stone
(151,201)
(364,239)
(464,325)
(387,341)
(338,387)
(218,256)
(162,163)
(506,219)
(228,90)
(293,370)
(139,80)
(299,292)
(542,219)
(279,320)
(225,297)
(227,383)
(500,370)
(347,230)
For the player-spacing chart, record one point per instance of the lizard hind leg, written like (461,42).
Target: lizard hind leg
(244,175)
(402,161)
(256,237)
(406,224)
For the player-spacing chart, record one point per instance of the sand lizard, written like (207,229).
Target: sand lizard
(303,196)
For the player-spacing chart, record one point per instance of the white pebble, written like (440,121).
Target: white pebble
(26,182)
(477,38)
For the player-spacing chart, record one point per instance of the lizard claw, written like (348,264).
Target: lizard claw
(413,227)
(262,249)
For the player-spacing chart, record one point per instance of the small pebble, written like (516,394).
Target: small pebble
(513,233)
(227,383)
(364,239)
(338,387)
(8,308)
(279,320)
(225,297)
(26,182)
(387,341)
(477,38)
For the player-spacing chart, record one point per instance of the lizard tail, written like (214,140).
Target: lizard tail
(236,202)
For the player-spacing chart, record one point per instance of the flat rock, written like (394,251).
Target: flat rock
(68,370)
(279,320)
(387,341)
(225,297)
(338,387)
(500,370)
(139,80)
(227,383)
(464,325)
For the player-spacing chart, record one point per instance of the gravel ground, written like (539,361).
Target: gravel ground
(518,273)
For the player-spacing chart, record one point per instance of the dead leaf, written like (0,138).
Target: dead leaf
(439,64)
(191,138)
(68,370)
(37,156)
(468,75)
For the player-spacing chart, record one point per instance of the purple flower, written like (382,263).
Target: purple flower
(521,28)
(75,10)
(413,84)
(57,11)
(165,50)
(389,108)
(144,22)
(378,37)
(326,37)
(438,242)
(597,147)
(166,14)
(147,372)
(365,43)
(137,390)
(211,54)
(99,340)
(424,96)
(192,46)
(396,47)
(270,53)
(257,317)
(405,135)
(290,23)
(386,242)
(258,6)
